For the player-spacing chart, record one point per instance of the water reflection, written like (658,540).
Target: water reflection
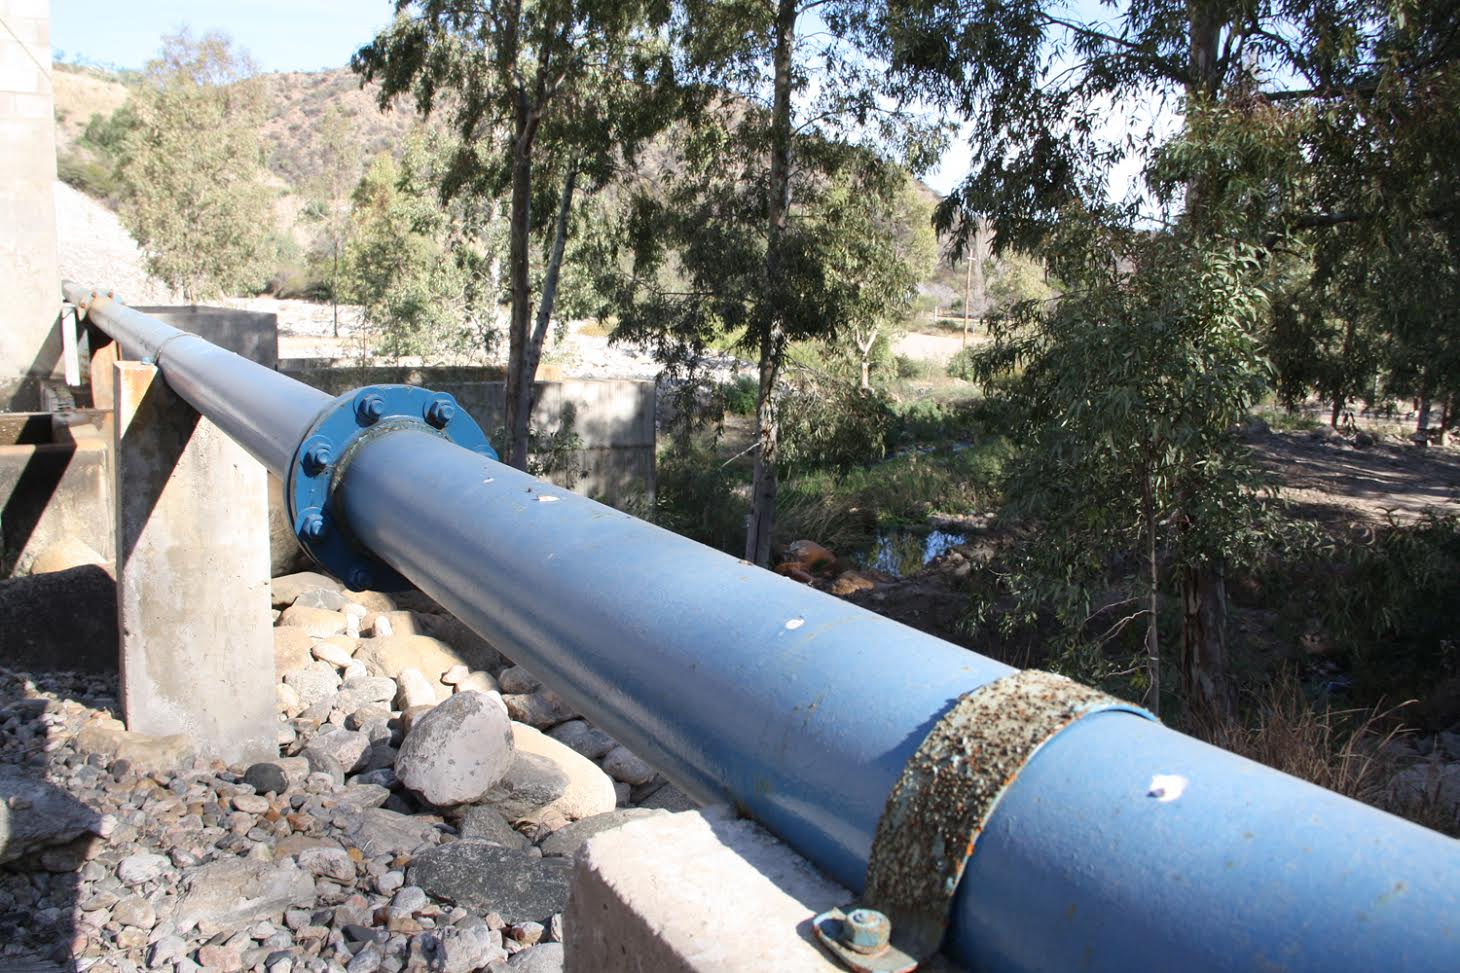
(903,552)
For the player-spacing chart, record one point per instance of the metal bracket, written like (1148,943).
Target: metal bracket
(944,799)
(342,427)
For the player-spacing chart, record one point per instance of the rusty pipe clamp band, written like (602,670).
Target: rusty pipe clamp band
(941,804)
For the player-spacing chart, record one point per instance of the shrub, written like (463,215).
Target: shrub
(740,395)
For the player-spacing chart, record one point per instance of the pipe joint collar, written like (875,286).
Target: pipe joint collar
(942,802)
(323,456)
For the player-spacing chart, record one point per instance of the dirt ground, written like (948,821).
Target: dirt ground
(1330,480)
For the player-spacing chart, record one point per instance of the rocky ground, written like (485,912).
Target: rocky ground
(421,814)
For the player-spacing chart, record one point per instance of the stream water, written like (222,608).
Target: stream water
(903,552)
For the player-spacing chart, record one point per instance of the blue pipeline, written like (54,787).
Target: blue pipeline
(802,710)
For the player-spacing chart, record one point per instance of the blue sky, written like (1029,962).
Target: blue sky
(282,35)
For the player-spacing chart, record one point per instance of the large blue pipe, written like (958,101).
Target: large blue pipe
(802,710)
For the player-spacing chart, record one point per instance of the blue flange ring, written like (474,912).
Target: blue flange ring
(341,427)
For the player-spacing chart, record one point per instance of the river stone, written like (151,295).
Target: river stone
(266,778)
(518,681)
(623,764)
(532,782)
(291,650)
(542,958)
(36,815)
(318,622)
(487,823)
(590,741)
(389,655)
(227,895)
(290,586)
(349,748)
(321,598)
(542,709)
(484,878)
(590,791)
(565,842)
(415,689)
(457,752)
(378,832)
(315,683)
(477,681)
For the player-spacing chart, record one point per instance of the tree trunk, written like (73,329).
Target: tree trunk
(968,295)
(520,227)
(1422,421)
(1336,411)
(1204,680)
(533,352)
(773,340)
(866,374)
(1153,581)
(335,289)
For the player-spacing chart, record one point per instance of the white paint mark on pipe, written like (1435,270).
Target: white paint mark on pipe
(795,623)
(544,498)
(489,480)
(1167,787)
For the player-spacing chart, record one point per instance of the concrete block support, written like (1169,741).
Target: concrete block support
(192,547)
(696,892)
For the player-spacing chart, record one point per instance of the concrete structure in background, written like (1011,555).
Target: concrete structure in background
(55,483)
(613,418)
(30,342)
(197,648)
(696,892)
(252,334)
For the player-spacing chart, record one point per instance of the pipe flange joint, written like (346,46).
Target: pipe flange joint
(322,458)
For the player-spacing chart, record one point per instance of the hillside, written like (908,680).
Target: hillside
(296,102)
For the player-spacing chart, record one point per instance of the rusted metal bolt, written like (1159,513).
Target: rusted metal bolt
(312,526)
(370,408)
(318,458)
(440,412)
(866,931)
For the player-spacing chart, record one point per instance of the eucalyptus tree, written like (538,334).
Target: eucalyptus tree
(733,238)
(545,96)
(194,187)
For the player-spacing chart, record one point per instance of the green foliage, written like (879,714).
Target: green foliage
(831,425)
(964,365)
(695,496)
(1391,604)
(195,190)
(91,165)
(416,268)
(739,395)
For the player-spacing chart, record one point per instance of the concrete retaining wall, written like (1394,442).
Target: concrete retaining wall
(614,419)
(55,482)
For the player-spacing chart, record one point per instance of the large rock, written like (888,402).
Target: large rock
(148,754)
(229,894)
(542,958)
(416,689)
(590,791)
(1429,785)
(36,815)
(289,587)
(486,878)
(565,842)
(390,656)
(457,752)
(530,784)
(65,554)
(516,680)
(470,647)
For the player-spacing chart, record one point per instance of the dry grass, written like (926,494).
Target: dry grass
(1342,750)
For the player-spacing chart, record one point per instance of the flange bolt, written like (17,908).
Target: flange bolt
(318,458)
(370,408)
(312,526)
(440,412)
(866,931)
